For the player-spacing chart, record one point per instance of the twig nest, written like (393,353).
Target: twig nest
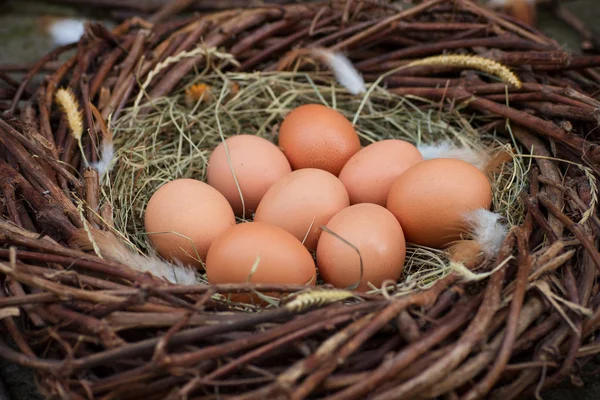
(316,136)
(243,168)
(362,244)
(183,218)
(431,198)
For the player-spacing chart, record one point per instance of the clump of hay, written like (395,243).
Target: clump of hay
(174,136)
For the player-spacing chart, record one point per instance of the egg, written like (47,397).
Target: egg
(302,202)
(431,198)
(183,217)
(257,164)
(316,136)
(369,174)
(377,235)
(259,253)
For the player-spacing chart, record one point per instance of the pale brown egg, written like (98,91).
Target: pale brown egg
(257,252)
(183,217)
(257,164)
(316,136)
(369,174)
(302,202)
(377,235)
(431,198)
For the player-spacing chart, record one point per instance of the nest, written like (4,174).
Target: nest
(90,327)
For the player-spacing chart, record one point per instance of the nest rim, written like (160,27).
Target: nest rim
(512,316)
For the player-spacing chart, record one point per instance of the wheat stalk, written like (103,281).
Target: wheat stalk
(317,298)
(475,62)
(70,107)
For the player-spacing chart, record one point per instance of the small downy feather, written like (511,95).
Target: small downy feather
(342,68)
(487,229)
(447,149)
(113,249)
(66,31)
(104,165)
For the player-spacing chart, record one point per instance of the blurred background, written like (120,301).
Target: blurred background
(30,29)
(26,26)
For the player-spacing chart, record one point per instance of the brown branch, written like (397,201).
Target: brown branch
(48,214)
(34,71)
(169,9)
(384,23)
(422,50)
(484,385)
(578,230)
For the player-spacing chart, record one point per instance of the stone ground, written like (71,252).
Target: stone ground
(22,41)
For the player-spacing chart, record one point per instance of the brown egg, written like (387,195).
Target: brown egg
(257,164)
(302,202)
(315,136)
(430,199)
(280,258)
(183,217)
(377,235)
(370,173)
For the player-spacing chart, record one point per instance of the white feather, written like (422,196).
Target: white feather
(113,249)
(66,31)
(104,165)
(344,71)
(447,149)
(487,229)
(175,273)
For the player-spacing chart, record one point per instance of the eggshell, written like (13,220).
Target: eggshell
(369,174)
(302,202)
(430,199)
(315,136)
(183,217)
(377,235)
(281,258)
(257,164)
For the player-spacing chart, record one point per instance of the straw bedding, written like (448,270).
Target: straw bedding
(93,328)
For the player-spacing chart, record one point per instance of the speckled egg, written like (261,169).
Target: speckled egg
(377,235)
(430,199)
(369,174)
(183,217)
(302,202)
(257,165)
(316,136)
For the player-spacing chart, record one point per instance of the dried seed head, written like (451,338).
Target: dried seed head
(70,107)
(476,62)
(317,298)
